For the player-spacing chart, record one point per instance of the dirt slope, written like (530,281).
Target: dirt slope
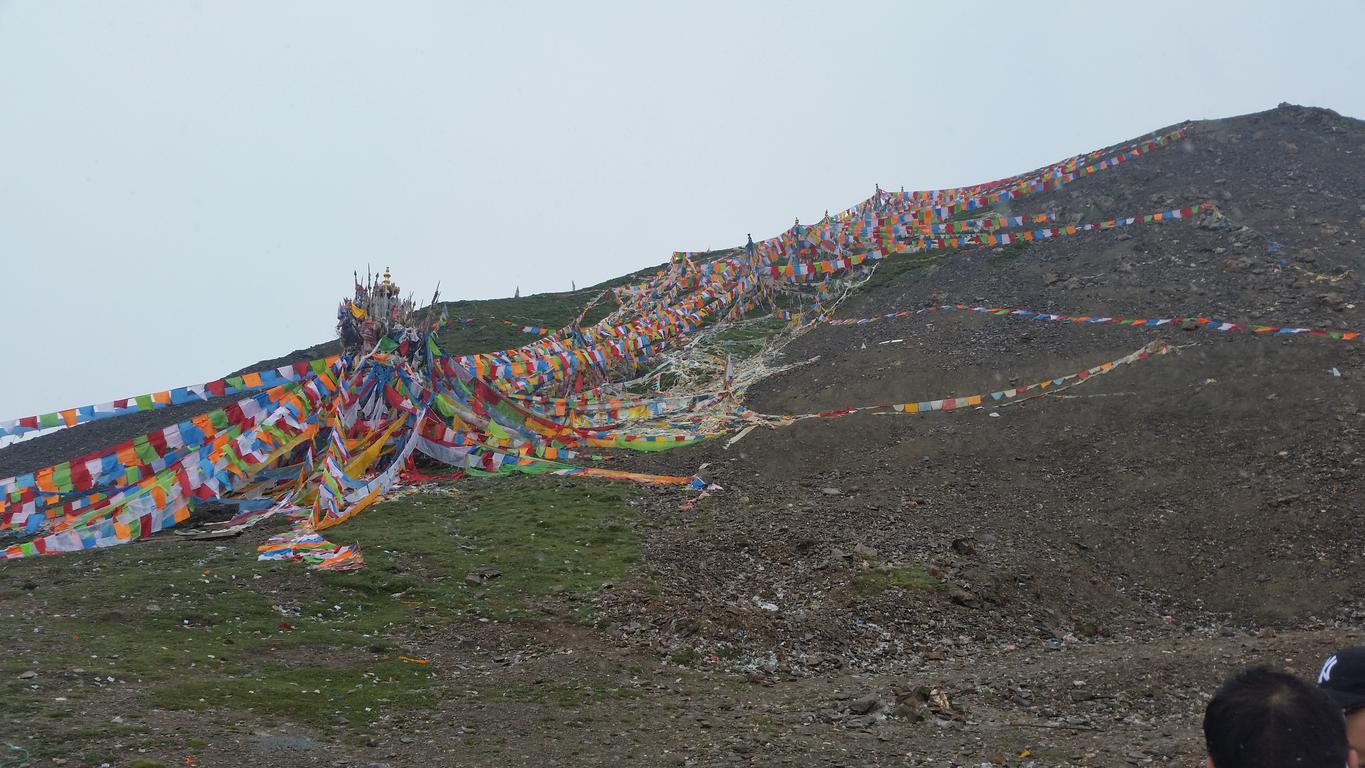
(1221,481)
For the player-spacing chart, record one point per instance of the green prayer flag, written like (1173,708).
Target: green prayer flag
(651,446)
(61,476)
(144,450)
(443,405)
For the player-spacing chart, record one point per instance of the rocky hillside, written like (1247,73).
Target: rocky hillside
(1219,483)
(1056,582)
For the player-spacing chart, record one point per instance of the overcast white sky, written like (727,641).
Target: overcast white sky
(185,187)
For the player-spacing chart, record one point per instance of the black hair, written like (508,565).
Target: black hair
(1264,718)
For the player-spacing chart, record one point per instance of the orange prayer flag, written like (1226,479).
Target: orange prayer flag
(127,456)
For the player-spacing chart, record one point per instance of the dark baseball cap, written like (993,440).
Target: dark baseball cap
(1343,678)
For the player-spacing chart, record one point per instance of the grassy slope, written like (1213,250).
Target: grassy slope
(549,310)
(195,625)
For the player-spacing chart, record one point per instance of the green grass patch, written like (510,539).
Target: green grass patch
(907,267)
(911,578)
(729,652)
(747,339)
(206,625)
(487,333)
(1004,254)
(977,213)
(751,331)
(685,657)
(692,657)
(312,695)
(546,537)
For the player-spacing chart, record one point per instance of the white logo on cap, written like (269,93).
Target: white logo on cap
(1326,673)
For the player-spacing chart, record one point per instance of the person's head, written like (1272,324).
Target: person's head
(1263,718)
(1343,679)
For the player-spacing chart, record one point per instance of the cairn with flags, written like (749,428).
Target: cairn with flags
(322,441)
